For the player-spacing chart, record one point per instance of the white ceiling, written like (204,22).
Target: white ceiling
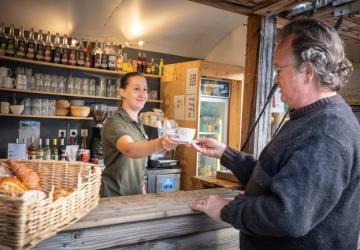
(178,27)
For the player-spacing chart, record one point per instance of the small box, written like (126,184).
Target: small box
(17,151)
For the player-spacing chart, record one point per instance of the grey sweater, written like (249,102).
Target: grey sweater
(304,190)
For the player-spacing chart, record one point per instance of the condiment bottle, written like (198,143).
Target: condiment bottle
(20,44)
(111,57)
(54,150)
(97,56)
(48,48)
(104,56)
(62,149)
(40,47)
(72,53)
(65,50)
(32,150)
(2,39)
(57,49)
(80,55)
(31,46)
(87,55)
(47,150)
(119,59)
(10,42)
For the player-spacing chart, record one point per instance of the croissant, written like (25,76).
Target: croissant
(27,175)
(60,192)
(12,186)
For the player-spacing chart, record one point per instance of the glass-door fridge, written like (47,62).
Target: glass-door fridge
(213,123)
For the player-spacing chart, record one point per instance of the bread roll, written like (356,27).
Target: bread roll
(26,175)
(12,186)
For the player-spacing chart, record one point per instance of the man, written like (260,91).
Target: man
(303,192)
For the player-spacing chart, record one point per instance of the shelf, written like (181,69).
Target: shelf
(66,94)
(207,133)
(63,66)
(49,117)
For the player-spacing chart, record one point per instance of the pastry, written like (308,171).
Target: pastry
(26,174)
(12,186)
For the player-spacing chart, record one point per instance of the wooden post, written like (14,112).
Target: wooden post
(262,133)
(251,62)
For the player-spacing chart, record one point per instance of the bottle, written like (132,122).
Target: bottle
(31,46)
(20,44)
(120,59)
(139,63)
(125,63)
(80,54)
(104,56)
(152,66)
(161,67)
(144,62)
(3,37)
(27,150)
(111,57)
(149,66)
(54,150)
(57,49)
(72,53)
(87,55)
(48,48)
(10,42)
(62,148)
(65,50)
(40,151)
(97,56)
(32,150)
(47,150)
(40,47)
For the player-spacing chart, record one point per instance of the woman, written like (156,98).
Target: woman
(125,143)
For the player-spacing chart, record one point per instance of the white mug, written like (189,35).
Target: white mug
(5,107)
(4,71)
(9,82)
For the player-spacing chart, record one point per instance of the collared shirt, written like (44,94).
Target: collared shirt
(123,175)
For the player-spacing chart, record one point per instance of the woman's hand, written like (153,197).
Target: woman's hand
(209,147)
(211,205)
(168,142)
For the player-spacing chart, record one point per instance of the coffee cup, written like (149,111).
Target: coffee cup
(4,71)
(185,135)
(9,82)
(5,107)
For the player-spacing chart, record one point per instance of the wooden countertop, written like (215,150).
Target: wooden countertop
(212,181)
(119,221)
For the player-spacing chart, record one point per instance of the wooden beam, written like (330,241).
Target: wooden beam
(250,80)
(228,6)
(273,7)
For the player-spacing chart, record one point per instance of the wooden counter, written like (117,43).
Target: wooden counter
(153,221)
(212,181)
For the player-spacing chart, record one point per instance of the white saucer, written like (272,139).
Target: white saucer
(186,142)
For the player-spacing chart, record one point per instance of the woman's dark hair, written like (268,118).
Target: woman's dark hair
(320,44)
(125,79)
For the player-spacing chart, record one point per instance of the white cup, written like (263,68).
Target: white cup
(4,71)
(185,134)
(5,107)
(9,82)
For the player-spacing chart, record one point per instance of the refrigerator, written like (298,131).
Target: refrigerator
(213,122)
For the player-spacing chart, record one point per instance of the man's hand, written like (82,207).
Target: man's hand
(211,205)
(209,147)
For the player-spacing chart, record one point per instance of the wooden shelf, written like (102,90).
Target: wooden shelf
(55,65)
(48,117)
(66,94)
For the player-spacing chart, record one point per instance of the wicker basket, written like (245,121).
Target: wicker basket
(23,224)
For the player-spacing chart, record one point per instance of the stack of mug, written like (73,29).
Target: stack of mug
(5,80)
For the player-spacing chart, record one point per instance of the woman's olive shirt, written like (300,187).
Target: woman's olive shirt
(122,175)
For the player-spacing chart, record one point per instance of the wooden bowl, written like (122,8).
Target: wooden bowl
(80,111)
(63,104)
(61,111)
